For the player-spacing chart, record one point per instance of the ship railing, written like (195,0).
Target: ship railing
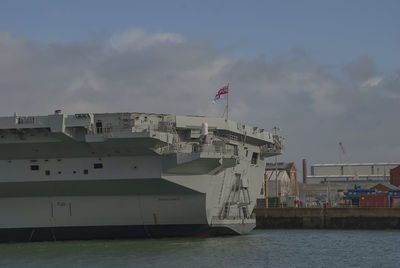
(166,127)
(131,128)
(273,148)
(175,148)
(214,148)
(107,131)
(217,148)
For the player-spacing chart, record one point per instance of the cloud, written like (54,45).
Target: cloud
(372,82)
(361,68)
(314,105)
(137,39)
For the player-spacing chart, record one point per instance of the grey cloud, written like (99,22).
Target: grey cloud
(361,69)
(166,73)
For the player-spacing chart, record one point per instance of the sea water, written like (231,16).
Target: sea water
(260,248)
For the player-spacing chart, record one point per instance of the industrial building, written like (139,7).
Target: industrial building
(280,184)
(328,182)
(285,174)
(289,168)
(351,173)
(284,188)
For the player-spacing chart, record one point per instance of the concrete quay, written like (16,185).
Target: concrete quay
(327,218)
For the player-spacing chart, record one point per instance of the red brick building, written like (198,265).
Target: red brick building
(395,176)
(384,188)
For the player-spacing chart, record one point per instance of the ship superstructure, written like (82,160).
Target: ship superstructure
(119,175)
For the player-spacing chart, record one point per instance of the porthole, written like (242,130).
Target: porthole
(34,167)
(98,165)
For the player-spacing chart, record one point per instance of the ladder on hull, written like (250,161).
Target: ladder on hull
(238,199)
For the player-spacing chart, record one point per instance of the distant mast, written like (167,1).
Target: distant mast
(227,103)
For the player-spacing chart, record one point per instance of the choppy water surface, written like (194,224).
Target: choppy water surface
(260,248)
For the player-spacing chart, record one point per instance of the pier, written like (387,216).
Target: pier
(327,218)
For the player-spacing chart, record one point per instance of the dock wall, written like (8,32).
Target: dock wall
(328,218)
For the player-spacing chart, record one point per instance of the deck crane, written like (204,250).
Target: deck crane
(347,161)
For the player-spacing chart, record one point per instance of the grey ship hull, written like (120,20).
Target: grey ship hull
(105,209)
(66,178)
(110,232)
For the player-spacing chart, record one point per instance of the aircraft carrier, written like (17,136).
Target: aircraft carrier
(124,175)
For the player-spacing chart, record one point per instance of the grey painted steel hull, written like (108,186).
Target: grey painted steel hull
(64,177)
(102,209)
(110,232)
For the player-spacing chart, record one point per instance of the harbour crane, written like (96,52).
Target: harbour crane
(348,161)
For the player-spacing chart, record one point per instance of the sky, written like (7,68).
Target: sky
(323,71)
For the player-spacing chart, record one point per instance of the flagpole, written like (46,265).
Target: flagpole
(227,104)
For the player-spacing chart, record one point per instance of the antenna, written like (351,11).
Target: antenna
(227,103)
